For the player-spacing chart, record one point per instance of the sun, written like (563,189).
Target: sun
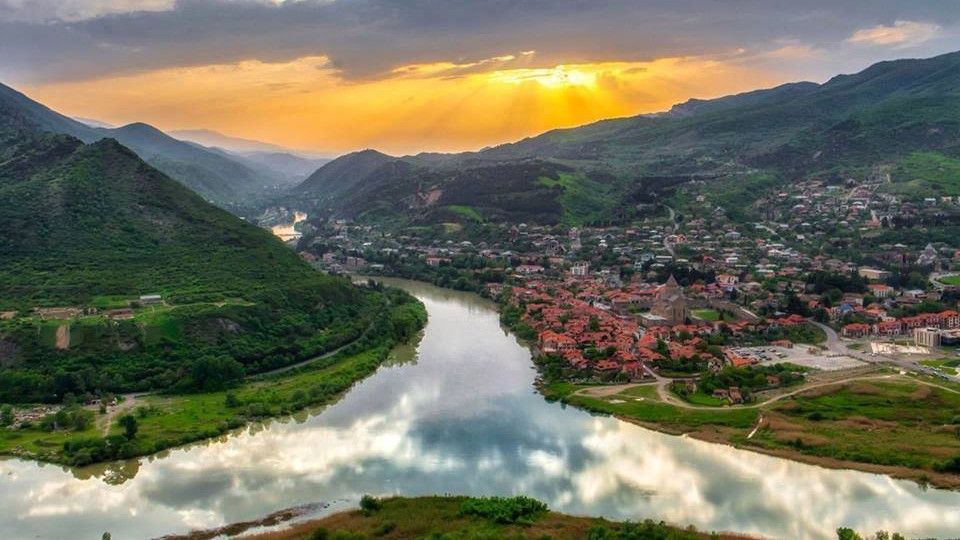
(557,77)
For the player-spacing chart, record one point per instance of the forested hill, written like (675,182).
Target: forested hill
(88,229)
(83,220)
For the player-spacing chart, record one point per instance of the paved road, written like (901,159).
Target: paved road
(838,346)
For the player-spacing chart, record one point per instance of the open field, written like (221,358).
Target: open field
(901,425)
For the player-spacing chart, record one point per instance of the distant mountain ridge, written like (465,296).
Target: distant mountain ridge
(215,176)
(881,114)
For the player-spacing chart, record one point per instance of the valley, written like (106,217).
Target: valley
(687,324)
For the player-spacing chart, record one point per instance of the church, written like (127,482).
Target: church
(669,307)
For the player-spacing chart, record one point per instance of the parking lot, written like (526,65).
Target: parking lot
(801,356)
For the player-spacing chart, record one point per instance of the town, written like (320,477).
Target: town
(675,295)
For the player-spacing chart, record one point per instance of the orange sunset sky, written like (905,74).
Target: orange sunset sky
(338,75)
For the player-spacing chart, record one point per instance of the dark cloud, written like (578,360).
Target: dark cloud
(367,38)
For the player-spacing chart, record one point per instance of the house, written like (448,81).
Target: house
(150,299)
(528,269)
(881,291)
(551,342)
(580,269)
(855,330)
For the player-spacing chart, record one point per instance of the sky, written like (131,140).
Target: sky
(405,76)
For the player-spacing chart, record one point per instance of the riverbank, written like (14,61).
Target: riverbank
(898,425)
(448,518)
(172,420)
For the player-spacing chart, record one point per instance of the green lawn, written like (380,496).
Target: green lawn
(946,365)
(707,314)
(951,280)
(704,400)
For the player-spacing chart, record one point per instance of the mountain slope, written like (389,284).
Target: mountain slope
(882,115)
(343,174)
(93,227)
(215,176)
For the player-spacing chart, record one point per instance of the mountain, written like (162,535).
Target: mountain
(596,173)
(287,168)
(93,122)
(215,176)
(343,174)
(93,226)
(211,138)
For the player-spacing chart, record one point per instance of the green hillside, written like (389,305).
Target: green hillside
(90,228)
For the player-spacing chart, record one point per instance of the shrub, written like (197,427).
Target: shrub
(370,504)
(505,510)
(384,528)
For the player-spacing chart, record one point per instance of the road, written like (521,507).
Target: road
(838,346)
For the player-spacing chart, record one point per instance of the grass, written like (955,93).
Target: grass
(883,422)
(443,518)
(707,314)
(712,315)
(467,212)
(951,280)
(583,200)
(704,400)
(926,175)
(670,418)
(900,425)
(946,365)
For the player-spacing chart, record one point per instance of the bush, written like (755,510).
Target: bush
(504,510)
(319,534)
(384,528)
(370,504)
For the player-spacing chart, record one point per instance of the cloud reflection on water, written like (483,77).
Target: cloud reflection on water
(464,419)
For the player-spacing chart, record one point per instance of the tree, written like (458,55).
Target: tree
(846,533)
(129,424)
(6,415)
(211,373)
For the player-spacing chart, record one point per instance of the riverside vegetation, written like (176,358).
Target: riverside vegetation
(491,518)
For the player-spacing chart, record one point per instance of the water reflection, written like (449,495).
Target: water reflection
(288,231)
(463,419)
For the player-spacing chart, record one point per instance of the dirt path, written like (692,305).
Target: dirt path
(670,399)
(63,336)
(127,404)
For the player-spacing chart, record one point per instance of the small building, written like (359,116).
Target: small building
(873,274)
(150,299)
(926,337)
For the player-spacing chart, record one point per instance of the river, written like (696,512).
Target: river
(288,231)
(458,414)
